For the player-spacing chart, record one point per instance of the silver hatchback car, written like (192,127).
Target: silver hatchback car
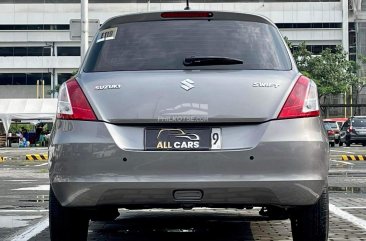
(188,109)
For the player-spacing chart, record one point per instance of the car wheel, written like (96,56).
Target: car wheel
(311,222)
(340,143)
(332,144)
(66,223)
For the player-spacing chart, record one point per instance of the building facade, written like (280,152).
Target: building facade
(35,41)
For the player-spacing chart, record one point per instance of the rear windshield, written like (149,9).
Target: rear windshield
(359,122)
(331,125)
(163,45)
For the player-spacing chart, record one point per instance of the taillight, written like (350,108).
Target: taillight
(302,101)
(187,14)
(349,129)
(72,103)
(330,132)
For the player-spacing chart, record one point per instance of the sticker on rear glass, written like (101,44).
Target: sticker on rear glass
(107,34)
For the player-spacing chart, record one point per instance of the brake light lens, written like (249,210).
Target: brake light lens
(303,100)
(187,15)
(330,132)
(72,103)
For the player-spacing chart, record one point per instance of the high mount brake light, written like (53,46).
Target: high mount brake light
(72,103)
(302,101)
(187,15)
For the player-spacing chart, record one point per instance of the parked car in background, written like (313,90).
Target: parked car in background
(340,120)
(353,131)
(329,127)
(333,125)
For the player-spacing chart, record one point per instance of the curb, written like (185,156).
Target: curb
(36,157)
(353,158)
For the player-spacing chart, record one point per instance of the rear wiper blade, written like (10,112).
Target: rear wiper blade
(210,60)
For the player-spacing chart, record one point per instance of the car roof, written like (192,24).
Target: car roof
(156,16)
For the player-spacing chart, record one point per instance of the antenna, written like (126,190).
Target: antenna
(187,7)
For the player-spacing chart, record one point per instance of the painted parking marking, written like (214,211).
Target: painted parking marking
(352,207)
(348,152)
(37,188)
(347,216)
(23,210)
(343,162)
(353,157)
(18,180)
(36,157)
(31,231)
(40,165)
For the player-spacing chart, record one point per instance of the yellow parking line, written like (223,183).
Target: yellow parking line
(34,157)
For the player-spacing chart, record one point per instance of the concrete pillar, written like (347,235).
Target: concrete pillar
(84,28)
(345,37)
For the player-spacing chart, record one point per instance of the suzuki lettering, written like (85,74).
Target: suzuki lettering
(268,85)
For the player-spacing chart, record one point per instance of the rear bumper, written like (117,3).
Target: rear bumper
(89,168)
(353,138)
(161,194)
(357,138)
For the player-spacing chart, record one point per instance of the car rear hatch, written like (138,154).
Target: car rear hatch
(174,67)
(359,126)
(161,96)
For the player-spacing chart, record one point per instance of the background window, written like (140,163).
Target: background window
(25,51)
(19,79)
(24,78)
(68,51)
(62,77)
(6,51)
(6,79)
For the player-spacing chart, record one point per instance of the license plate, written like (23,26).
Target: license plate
(182,139)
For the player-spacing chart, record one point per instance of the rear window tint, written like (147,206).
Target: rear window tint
(359,122)
(163,45)
(332,125)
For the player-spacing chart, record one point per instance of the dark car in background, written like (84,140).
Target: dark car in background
(353,131)
(329,127)
(188,109)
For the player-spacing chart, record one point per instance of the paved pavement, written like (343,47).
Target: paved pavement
(24,209)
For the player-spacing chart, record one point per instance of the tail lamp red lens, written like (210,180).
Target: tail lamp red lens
(330,132)
(72,103)
(302,101)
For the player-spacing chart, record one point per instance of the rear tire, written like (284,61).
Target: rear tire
(332,144)
(311,223)
(68,224)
